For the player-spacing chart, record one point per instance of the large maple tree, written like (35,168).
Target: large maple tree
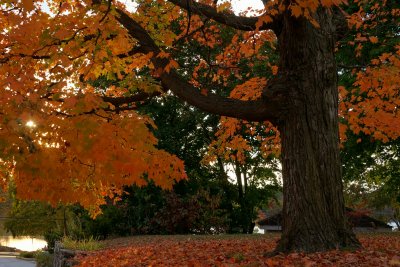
(64,137)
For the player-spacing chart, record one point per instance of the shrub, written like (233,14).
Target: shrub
(85,245)
(27,254)
(43,259)
(51,237)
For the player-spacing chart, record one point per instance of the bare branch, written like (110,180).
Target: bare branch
(107,11)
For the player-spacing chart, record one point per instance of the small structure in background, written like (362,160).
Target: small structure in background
(271,221)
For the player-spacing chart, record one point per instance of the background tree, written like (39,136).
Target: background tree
(32,219)
(248,148)
(368,107)
(371,175)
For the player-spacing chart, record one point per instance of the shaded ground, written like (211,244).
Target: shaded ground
(236,250)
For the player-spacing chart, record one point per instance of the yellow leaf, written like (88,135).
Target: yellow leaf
(223,6)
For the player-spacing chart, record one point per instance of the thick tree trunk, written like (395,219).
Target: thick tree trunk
(313,206)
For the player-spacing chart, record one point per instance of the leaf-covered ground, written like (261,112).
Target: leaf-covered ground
(379,250)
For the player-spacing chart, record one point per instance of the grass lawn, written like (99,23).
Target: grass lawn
(236,250)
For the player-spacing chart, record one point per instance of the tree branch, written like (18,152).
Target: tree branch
(141,96)
(116,101)
(258,110)
(229,19)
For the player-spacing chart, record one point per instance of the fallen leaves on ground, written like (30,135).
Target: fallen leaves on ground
(379,250)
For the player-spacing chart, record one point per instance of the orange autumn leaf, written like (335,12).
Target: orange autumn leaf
(171,65)
(373,39)
(296,10)
(274,70)
(28,5)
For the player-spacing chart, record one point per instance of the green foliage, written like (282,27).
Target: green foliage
(31,218)
(51,237)
(371,172)
(150,210)
(110,222)
(44,259)
(131,215)
(89,244)
(27,254)
(199,213)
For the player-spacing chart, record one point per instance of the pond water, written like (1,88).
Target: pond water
(25,243)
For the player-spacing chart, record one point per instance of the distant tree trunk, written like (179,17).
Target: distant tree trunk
(251,227)
(247,207)
(313,204)
(239,181)
(245,181)
(223,177)
(242,212)
(246,215)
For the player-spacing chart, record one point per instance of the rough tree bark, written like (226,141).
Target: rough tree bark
(303,102)
(313,204)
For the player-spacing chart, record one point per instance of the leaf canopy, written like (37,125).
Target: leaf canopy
(66,137)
